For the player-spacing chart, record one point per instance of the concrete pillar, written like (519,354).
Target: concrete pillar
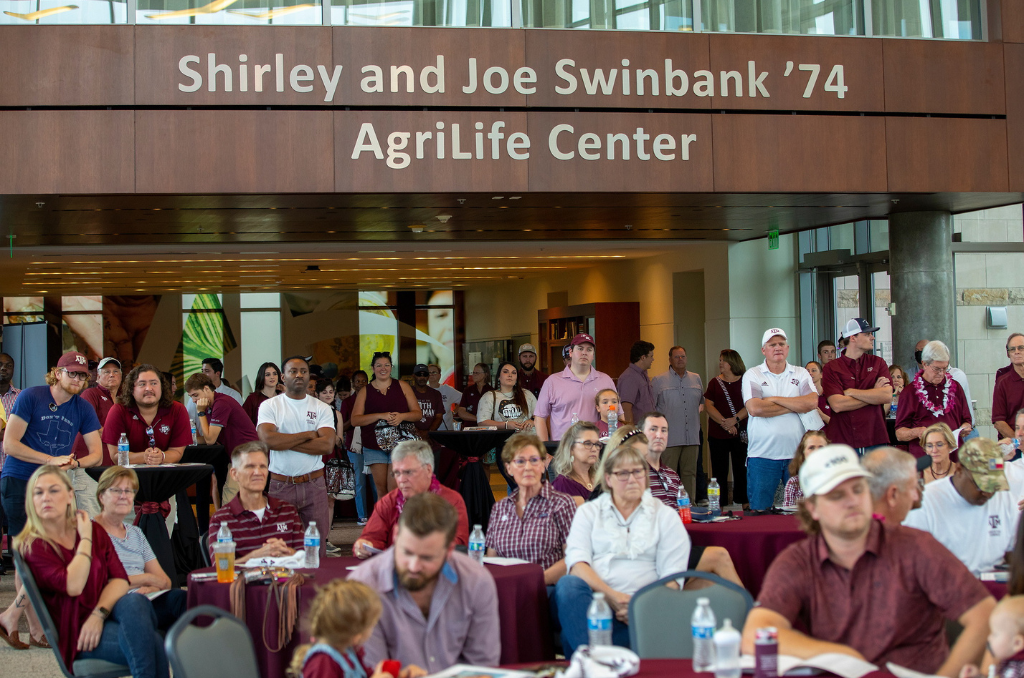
(921,277)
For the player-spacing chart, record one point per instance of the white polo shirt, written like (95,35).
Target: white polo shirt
(775,437)
(980,536)
(295,416)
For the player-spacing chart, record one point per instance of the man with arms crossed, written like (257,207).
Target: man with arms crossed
(299,429)
(856,384)
(865,588)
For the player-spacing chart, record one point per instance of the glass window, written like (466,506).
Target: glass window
(261,342)
(378,328)
(807,17)
(23,310)
(230,12)
(435,332)
(203,332)
(260,300)
(659,15)
(951,19)
(59,12)
(482,13)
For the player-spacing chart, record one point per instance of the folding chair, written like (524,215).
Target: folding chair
(224,648)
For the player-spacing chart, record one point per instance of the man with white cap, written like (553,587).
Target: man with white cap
(571,392)
(864,587)
(775,394)
(530,378)
(972,514)
(855,385)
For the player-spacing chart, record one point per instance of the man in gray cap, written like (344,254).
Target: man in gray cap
(530,378)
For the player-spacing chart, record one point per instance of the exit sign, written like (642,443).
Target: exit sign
(773,239)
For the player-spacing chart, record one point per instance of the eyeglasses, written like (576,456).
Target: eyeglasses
(80,376)
(589,444)
(406,474)
(434,372)
(152,440)
(532,461)
(1015,349)
(121,492)
(623,476)
(940,370)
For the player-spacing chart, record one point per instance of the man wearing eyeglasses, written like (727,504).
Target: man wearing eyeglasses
(157,426)
(412,464)
(958,376)
(1008,395)
(101,397)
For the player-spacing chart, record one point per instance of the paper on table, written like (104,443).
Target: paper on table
(903,672)
(504,561)
(467,671)
(153,595)
(296,560)
(831,662)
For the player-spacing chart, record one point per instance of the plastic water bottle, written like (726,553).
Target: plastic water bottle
(224,533)
(122,450)
(194,439)
(1010,448)
(575,419)
(683,505)
(613,420)
(702,624)
(714,498)
(599,622)
(892,407)
(476,544)
(727,651)
(311,543)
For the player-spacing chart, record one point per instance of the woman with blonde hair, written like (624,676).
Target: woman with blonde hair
(83,582)
(938,442)
(575,461)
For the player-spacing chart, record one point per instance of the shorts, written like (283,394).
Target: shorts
(372,456)
(696,553)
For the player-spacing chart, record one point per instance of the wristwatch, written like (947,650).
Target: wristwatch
(103,612)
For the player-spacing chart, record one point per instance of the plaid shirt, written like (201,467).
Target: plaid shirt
(792,494)
(664,484)
(539,536)
(8,402)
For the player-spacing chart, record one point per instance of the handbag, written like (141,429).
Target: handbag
(388,436)
(732,408)
(340,477)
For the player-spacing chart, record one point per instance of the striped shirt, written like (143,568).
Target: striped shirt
(7,400)
(280,521)
(134,551)
(539,536)
(664,484)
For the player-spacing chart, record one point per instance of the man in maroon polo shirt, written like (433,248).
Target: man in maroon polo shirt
(864,587)
(158,428)
(856,384)
(260,526)
(101,397)
(1008,395)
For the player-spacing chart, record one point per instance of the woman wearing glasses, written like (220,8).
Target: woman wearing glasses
(618,543)
(575,461)
(480,385)
(116,492)
(532,522)
(932,397)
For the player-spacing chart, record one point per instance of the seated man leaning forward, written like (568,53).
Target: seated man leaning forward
(971,514)
(440,607)
(412,464)
(864,587)
(261,526)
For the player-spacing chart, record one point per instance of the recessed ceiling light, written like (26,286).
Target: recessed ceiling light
(514,197)
(498,197)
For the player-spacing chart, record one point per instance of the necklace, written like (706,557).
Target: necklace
(936,474)
(585,483)
(922,395)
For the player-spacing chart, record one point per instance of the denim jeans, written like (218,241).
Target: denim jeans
(130,637)
(763,476)
(12,496)
(169,607)
(572,598)
(357,464)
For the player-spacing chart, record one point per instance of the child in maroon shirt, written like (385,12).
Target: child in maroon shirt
(1005,640)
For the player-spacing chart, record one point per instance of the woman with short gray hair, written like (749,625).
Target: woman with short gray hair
(934,397)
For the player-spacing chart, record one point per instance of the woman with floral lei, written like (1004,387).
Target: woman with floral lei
(934,397)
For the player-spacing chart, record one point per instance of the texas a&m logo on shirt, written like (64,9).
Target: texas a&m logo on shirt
(282,527)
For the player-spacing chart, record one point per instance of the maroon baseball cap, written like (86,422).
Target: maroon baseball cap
(582,339)
(75,361)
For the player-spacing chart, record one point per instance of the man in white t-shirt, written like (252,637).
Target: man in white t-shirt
(775,394)
(972,514)
(449,395)
(1015,469)
(299,430)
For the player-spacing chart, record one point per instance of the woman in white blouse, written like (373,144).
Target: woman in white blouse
(618,543)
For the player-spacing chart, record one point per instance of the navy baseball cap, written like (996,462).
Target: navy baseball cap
(857,326)
(420,369)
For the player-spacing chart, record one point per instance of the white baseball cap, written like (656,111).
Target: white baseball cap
(773,332)
(829,466)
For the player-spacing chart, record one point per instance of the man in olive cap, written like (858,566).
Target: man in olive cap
(972,514)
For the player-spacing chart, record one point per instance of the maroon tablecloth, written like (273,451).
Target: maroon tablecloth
(522,604)
(680,668)
(753,543)
(996,588)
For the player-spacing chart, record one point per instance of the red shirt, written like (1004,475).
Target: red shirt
(889,607)
(101,401)
(49,563)
(252,405)
(1007,397)
(236,427)
(911,412)
(381,526)
(865,426)
(171,428)
(280,521)
(532,382)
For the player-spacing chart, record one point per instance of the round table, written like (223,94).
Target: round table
(158,484)
(753,542)
(526,634)
(476,486)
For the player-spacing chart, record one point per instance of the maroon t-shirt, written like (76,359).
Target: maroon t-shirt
(1007,398)
(236,427)
(392,400)
(471,397)
(101,401)
(716,395)
(532,382)
(862,427)
(432,404)
(890,607)
(252,405)
(911,412)
(49,562)
(171,428)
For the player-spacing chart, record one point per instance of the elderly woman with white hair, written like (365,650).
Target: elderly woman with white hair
(932,397)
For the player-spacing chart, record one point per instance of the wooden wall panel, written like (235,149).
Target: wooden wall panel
(66,66)
(861,61)
(428,174)
(799,153)
(946,154)
(548,173)
(943,76)
(157,74)
(1013,59)
(1011,20)
(234,152)
(66,152)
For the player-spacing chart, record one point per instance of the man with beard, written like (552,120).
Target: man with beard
(157,426)
(448,393)
(299,430)
(101,397)
(863,587)
(440,607)
(530,379)
(41,429)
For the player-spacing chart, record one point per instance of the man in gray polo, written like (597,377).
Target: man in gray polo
(680,395)
(635,391)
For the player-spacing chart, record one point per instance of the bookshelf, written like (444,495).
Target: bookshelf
(615,326)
